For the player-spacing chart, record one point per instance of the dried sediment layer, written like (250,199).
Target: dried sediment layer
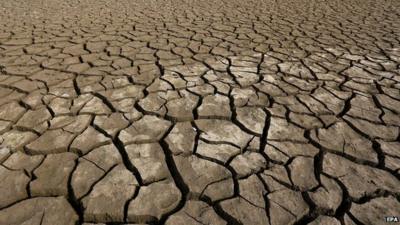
(199,112)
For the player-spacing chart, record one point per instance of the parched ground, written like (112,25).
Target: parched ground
(181,112)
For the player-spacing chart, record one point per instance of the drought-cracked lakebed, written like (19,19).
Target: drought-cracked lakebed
(185,112)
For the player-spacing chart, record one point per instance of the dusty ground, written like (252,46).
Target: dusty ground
(187,112)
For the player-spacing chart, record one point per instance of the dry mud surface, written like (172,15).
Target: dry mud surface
(185,112)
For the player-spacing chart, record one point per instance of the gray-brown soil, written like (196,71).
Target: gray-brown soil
(181,112)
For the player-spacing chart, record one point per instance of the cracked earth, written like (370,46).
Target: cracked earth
(183,112)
